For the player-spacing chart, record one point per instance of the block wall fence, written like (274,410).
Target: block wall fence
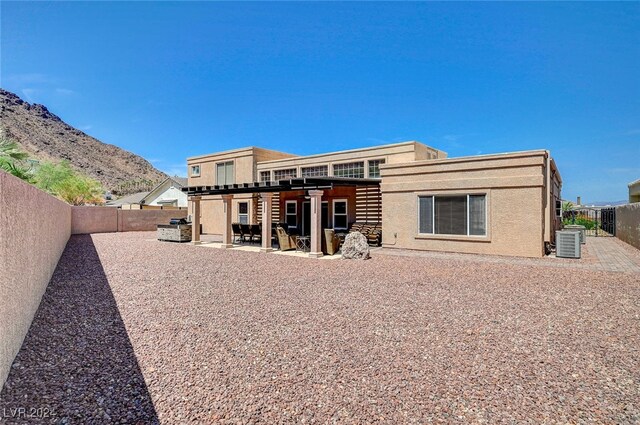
(628,223)
(34,230)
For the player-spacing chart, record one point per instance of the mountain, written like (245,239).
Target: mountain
(46,137)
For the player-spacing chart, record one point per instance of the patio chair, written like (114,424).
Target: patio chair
(285,241)
(330,242)
(255,233)
(237,232)
(246,232)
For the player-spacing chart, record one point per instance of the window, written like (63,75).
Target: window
(453,215)
(353,169)
(558,208)
(291,213)
(340,217)
(285,174)
(317,171)
(195,171)
(243,212)
(224,173)
(374,168)
(265,176)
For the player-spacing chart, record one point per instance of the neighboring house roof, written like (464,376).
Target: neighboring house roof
(129,199)
(175,181)
(144,197)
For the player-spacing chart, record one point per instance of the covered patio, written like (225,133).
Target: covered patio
(315,189)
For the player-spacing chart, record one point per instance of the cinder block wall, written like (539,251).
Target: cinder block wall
(34,230)
(628,223)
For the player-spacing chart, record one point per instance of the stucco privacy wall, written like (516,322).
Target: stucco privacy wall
(34,229)
(513,183)
(628,224)
(107,219)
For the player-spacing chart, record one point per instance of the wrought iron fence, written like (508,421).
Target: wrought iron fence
(596,220)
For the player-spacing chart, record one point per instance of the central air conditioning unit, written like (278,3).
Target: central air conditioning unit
(568,244)
(582,229)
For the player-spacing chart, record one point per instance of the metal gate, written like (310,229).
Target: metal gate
(597,221)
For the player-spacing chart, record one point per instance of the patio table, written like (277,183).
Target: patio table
(303,243)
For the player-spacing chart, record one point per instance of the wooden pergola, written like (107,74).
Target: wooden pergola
(315,187)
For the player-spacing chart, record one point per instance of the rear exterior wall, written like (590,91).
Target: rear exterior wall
(516,197)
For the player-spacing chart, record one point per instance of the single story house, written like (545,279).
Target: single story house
(168,193)
(506,204)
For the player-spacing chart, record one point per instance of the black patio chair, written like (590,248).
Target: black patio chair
(255,233)
(246,232)
(237,232)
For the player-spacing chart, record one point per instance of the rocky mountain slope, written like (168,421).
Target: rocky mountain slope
(46,137)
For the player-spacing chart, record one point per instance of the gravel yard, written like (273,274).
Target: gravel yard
(134,330)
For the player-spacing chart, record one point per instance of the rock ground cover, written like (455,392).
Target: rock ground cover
(145,331)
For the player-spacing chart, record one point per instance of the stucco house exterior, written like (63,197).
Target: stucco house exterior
(634,191)
(506,204)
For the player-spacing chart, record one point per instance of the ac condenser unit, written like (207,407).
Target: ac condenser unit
(582,229)
(568,244)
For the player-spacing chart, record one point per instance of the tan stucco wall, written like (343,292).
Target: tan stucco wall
(94,220)
(515,185)
(108,219)
(392,154)
(628,224)
(244,160)
(34,229)
(634,191)
(143,220)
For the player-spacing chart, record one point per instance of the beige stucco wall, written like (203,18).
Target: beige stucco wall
(34,229)
(392,154)
(628,224)
(94,220)
(634,191)
(143,220)
(515,185)
(108,219)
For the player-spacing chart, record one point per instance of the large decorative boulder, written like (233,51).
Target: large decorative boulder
(355,247)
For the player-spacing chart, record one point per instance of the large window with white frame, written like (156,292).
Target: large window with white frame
(265,176)
(243,212)
(290,173)
(291,213)
(374,168)
(453,215)
(340,214)
(315,171)
(352,169)
(224,173)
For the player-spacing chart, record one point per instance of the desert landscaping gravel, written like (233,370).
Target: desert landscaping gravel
(132,330)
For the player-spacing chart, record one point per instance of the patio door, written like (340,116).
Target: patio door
(306,217)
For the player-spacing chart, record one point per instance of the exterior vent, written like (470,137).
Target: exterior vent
(568,244)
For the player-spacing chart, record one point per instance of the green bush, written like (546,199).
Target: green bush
(581,220)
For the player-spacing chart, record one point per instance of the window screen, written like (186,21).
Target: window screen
(477,215)
(426,214)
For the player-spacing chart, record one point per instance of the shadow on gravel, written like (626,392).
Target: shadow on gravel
(77,364)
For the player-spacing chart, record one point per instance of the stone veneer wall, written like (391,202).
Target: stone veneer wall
(628,223)
(34,230)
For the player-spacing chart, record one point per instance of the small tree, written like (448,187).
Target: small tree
(12,159)
(62,181)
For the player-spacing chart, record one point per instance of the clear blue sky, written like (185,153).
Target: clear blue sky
(171,80)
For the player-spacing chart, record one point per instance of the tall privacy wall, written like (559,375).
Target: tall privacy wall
(34,229)
(628,223)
